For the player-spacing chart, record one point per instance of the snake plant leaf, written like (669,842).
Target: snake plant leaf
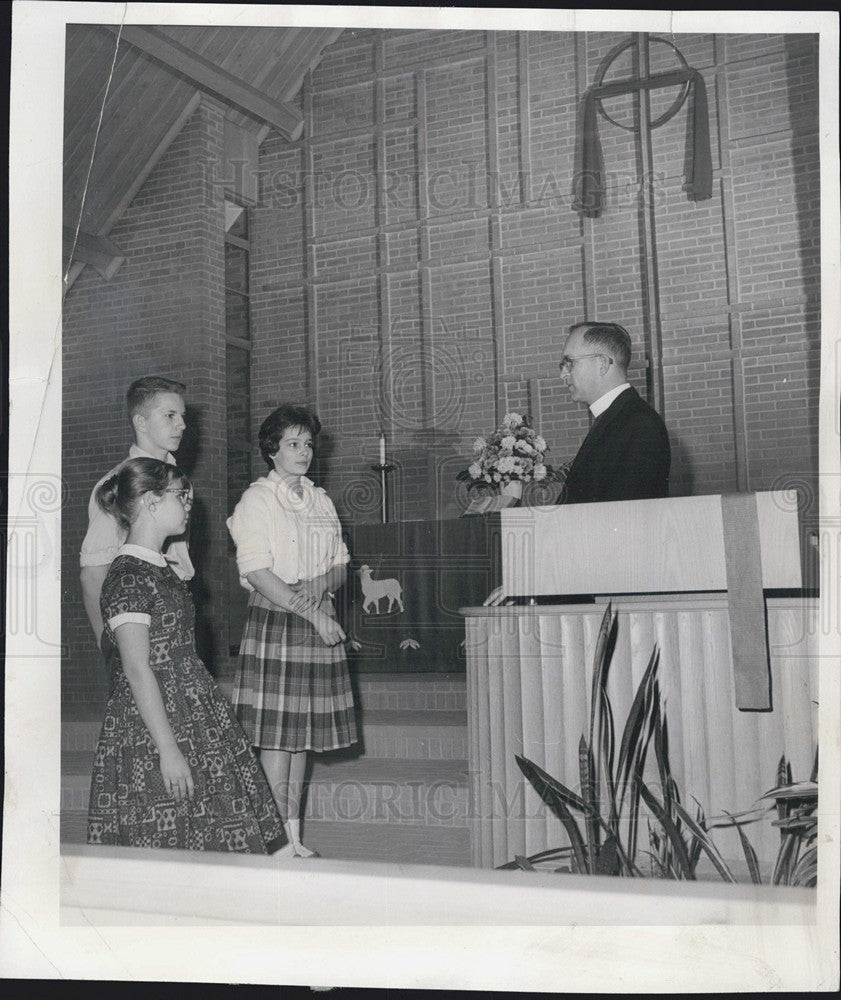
(607,862)
(551,854)
(805,872)
(783,778)
(799,790)
(605,644)
(579,852)
(749,852)
(547,787)
(588,793)
(694,843)
(661,755)
(706,843)
(556,796)
(727,819)
(786,859)
(523,863)
(792,823)
(599,703)
(636,721)
(666,870)
(670,830)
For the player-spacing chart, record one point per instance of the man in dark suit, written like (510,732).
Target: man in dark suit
(626,454)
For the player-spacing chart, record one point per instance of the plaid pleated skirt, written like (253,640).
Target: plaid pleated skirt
(292,690)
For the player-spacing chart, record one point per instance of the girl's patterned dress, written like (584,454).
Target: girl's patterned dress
(233,808)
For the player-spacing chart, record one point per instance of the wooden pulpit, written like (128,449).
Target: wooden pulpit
(714,582)
(743,544)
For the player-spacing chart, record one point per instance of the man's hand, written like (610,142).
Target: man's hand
(496,597)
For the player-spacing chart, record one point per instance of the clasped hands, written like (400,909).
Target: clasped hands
(308,597)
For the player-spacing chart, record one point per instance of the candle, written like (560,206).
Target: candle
(382,449)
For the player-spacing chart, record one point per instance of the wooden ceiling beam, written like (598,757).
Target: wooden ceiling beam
(214,80)
(101,253)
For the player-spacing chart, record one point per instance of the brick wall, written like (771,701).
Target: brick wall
(425,261)
(163,312)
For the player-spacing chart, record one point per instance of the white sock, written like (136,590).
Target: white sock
(293,832)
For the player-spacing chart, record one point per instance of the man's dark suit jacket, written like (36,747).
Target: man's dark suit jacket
(625,456)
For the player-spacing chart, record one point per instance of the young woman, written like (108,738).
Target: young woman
(173,767)
(292,693)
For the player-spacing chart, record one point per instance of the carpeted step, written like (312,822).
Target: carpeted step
(414,734)
(356,789)
(398,843)
(388,790)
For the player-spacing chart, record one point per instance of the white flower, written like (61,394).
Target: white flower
(514,451)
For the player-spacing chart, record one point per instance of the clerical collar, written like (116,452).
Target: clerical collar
(602,403)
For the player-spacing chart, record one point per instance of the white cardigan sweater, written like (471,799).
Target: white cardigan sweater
(297,538)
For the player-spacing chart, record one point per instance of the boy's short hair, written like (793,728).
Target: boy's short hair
(280,420)
(143,389)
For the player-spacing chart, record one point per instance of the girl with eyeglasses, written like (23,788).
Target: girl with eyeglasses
(172,767)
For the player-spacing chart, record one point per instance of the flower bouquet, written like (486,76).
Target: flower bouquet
(514,453)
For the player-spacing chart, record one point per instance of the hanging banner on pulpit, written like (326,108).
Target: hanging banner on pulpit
(406,582)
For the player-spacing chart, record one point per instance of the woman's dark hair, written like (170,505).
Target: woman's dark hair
(120,494)
(279,421)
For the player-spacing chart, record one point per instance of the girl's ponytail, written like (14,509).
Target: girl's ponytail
(107,496)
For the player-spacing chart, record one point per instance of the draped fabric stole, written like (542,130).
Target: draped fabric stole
(589,187)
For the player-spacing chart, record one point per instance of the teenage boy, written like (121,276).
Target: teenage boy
(156,412)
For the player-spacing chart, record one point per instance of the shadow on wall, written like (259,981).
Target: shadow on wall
(682,475)
(190,451)
(200,551)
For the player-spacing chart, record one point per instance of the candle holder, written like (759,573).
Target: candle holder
(383,468)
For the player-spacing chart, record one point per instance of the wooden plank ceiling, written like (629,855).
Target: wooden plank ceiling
(156,78)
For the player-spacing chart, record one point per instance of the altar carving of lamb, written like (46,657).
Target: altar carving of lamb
(375,590)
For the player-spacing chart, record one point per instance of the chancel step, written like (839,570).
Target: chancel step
(398,843)
(383,790)
(400,795)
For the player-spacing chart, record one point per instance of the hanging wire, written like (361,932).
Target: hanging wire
(93,150)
